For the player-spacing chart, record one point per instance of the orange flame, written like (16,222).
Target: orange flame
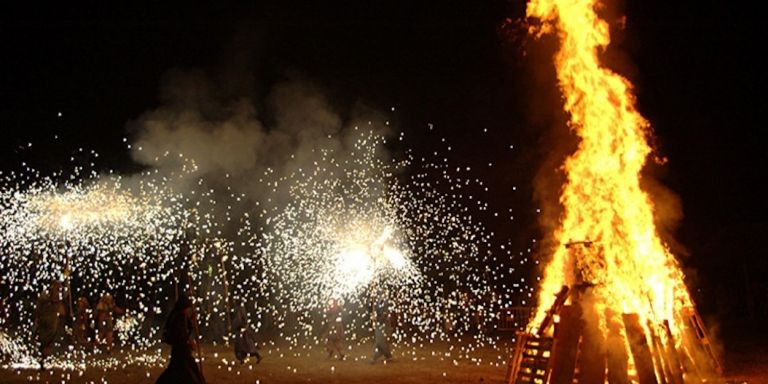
(629,267)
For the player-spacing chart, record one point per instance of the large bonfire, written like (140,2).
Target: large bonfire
(610,262)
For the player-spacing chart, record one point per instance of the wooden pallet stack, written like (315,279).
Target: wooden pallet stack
(530,360)
(576,352)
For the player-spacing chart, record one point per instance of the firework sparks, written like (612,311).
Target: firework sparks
(98,234)
(360,229)
(363,229)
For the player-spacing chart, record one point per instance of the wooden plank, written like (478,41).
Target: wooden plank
(565,349)
(662,367)
(555,309)
(533,373)
(534,361)
(592,362)
(673,359)
(692,374)
(692,357)
(694,321)
(616,350)
(513,367)
(638,346)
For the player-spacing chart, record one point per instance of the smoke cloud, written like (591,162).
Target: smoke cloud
(240,142)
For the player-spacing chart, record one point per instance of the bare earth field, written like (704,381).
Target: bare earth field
(428,364)
(747,364)
(421,365)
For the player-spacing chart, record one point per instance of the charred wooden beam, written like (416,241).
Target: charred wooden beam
(673,359)
(565,349)
(592,363)
(555,309)
(617,357)
(638,346)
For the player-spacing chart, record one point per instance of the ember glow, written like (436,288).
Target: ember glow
(606,239)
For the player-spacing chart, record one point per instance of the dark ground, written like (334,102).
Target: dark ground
(745,361)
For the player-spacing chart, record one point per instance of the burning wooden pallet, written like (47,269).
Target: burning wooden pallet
(577,351)
(530,359)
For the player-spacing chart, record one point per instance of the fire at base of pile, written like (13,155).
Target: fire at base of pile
(579,341)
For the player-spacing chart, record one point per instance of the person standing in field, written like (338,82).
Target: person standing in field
(105,323)
(245,342)
(49,318)
(82,328)
(334,342)
(178,332)
(381,331)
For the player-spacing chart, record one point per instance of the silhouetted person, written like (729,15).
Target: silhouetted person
(244,336)
(49,318)
(381,332)
(334,338)
(82,328)
(182,369)
(105,323)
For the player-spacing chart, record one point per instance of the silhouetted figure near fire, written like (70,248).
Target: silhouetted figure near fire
(182,369)
(49,318)
(105,323)
(381,331)
(82,327)
(244,336)
(334,338)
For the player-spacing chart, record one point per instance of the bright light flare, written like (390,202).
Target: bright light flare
(363,258)
(88,207)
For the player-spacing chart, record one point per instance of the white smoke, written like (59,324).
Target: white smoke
(240,142)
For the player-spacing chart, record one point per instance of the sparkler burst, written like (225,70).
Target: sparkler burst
(98,234)
(365,228)
(356,227)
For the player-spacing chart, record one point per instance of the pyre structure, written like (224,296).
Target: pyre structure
(567,346)
(613,305)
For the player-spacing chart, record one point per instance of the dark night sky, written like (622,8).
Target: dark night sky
(695,65)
